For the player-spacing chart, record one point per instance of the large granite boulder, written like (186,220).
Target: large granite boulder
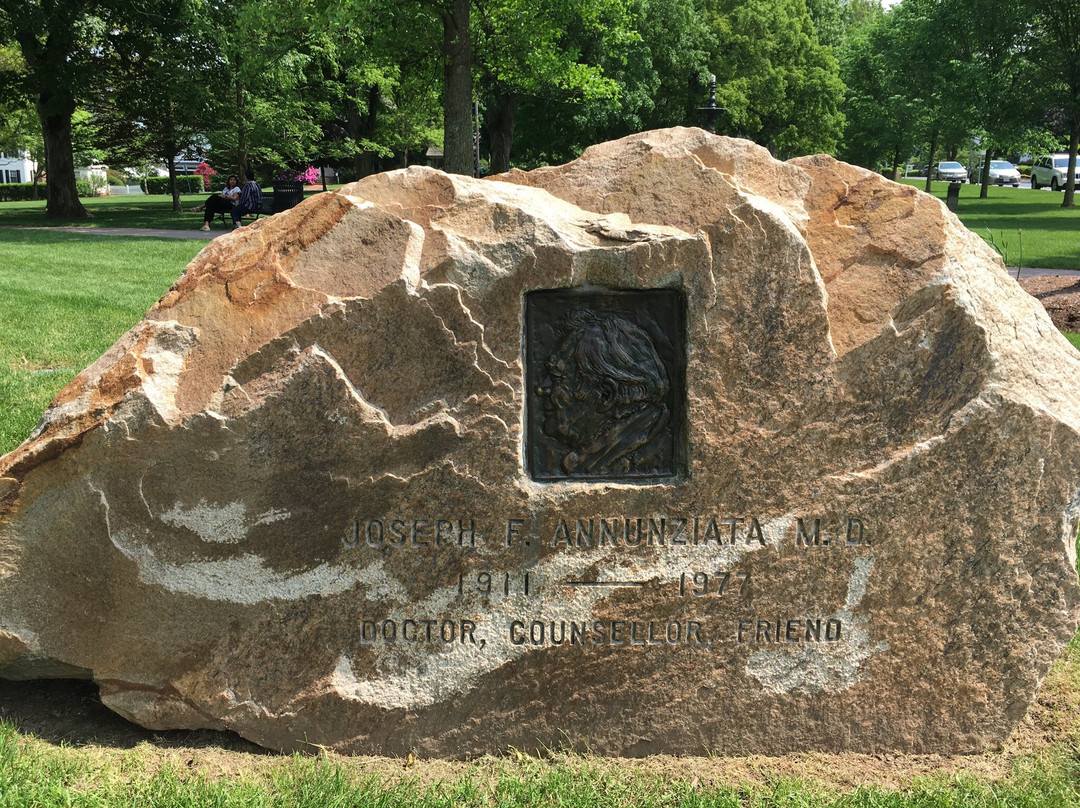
(675,448)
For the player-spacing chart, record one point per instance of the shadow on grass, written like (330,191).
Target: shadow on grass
(69,711)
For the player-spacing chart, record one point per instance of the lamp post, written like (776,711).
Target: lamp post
(711,111)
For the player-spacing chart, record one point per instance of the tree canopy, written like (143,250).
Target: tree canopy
(364,85)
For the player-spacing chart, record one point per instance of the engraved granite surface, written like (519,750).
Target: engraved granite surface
(675,448)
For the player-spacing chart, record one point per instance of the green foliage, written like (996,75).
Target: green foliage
(20,129)
(21,191)
(781,87)
(896,70)
(660,68)
(186,184)
(161,86)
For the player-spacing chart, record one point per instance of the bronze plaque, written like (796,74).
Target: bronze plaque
(605,384)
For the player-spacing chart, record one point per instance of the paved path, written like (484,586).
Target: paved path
(1031,272)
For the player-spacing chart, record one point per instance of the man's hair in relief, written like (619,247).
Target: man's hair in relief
(618,355)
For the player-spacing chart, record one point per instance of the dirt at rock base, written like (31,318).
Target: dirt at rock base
(54,713)
(1060,296)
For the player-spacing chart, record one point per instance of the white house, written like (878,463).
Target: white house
(16,168)
(97,175)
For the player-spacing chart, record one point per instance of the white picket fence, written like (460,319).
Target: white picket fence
(124,190)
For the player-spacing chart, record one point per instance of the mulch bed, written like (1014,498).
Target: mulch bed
(1060,296)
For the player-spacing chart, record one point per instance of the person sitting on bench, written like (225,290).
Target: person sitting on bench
(219,203)
(250,200)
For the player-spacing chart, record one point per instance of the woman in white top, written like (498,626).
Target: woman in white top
(219,203)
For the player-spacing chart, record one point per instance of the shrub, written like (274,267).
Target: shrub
(85,188)
(20,192)
(203,170)
(309,176)
(187,184)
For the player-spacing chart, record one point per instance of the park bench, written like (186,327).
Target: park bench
(286,194)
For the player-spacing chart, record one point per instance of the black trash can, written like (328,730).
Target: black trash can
(287,194)
(952,200)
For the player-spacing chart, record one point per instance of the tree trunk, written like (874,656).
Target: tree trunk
(501,130)
(361,159)
(1070,181)
(241,126)
(172,184)
(930,158)
(171,149)
(984,177)
(60,190)
(457,89)
(361,126)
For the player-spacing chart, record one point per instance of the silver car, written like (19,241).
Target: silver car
(950,171)
(1002,172)
(1051,171)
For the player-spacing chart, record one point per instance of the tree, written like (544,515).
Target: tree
(20,131)
(457,87)
(657,63)
(1053,46)
(923,43)
(899,90)
(159,92)
(61,42)
(781,87)
(389,86)
(989,67)
(527,48)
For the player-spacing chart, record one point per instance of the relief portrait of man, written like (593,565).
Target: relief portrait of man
(603,396)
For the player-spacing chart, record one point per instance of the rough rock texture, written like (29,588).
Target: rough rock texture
(294,502)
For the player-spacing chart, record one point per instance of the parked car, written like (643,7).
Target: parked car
(1052,170)
(1002,172)
(950,171)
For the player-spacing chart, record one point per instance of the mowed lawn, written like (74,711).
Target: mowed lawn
(144,212)
(64,299)
(1029,228)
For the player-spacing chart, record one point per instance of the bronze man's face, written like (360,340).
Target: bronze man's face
(605,373)
(571,401)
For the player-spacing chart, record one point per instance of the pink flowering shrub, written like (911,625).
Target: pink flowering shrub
(309,176)
(203,169)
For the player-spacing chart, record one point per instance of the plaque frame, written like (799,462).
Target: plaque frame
(627,421)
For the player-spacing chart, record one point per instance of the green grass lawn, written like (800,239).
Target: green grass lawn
(148,212)
(145,212)
(33,773)
(64,299)
(1020,222)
